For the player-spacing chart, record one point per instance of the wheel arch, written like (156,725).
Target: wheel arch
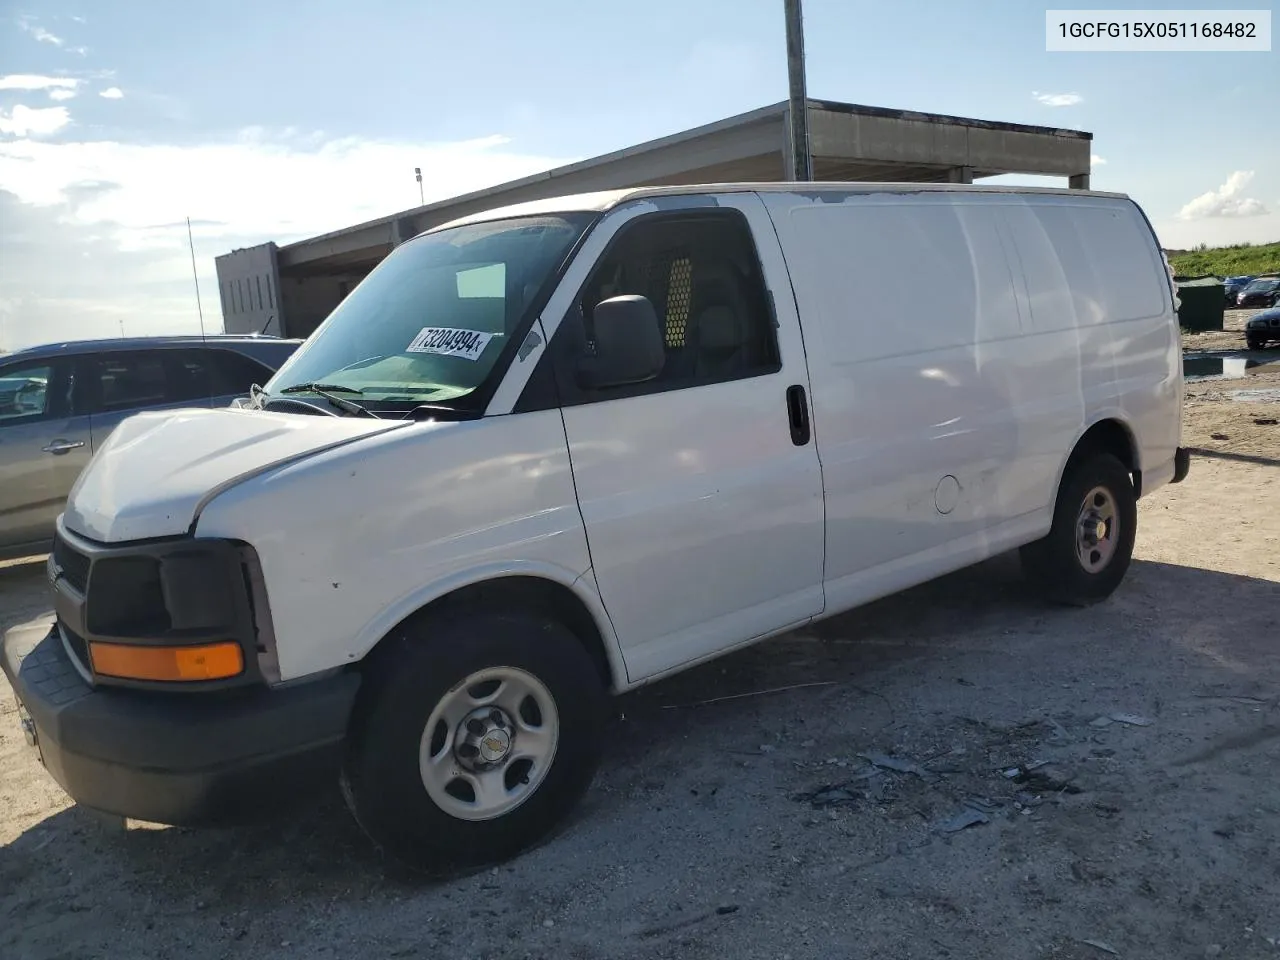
(570,600)
(1109,433)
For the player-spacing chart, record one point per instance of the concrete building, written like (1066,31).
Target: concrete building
(288,290)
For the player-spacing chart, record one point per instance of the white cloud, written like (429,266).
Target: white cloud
(1097,161)
(39,33)
(124,206)
(26,121)
(1057,99)
(61,95)
(255,184)
(112,93)
(1226,201)
(34,81)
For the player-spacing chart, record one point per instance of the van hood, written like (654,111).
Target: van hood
(156,470)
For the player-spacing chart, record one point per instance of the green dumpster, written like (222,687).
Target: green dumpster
(1203,303)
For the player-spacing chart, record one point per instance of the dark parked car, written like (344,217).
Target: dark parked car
(1262,292)
(58,403)
(1263,328)
(1232,287)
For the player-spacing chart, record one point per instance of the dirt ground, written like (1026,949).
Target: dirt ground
(968,774)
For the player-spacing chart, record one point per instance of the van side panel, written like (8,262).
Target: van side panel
(919,370)
(1095,284)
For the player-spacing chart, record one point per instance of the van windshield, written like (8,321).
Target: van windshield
(430,323)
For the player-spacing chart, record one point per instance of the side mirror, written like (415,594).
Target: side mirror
(629,344)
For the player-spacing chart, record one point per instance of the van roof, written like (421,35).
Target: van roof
(604,200)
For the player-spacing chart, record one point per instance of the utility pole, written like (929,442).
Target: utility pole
(801,161)
(417,172)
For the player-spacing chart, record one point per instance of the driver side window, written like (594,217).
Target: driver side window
(26,392)
(701,272)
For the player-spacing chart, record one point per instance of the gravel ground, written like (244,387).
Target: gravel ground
(1116,768)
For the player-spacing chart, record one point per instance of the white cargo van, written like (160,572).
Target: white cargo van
(563,449)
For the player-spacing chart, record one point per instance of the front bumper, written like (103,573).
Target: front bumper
(182,758)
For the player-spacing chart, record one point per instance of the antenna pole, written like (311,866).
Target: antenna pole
(195,276)
(417,172)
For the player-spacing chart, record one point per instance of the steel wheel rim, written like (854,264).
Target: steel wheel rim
(489,743)
(1097,530)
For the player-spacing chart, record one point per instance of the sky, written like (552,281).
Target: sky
(277,121)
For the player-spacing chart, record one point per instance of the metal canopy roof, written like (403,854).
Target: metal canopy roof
(849,142)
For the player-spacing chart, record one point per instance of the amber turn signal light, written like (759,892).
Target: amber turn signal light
(211,661)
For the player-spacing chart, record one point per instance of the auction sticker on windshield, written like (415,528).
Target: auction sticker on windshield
(447,342)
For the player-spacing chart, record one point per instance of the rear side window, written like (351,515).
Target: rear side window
(128,380)
(188,376)
(234,373)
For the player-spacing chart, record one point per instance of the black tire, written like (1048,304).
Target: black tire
(408,677)
(1254,344)
(1053,564)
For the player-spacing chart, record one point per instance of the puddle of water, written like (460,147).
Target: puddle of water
(1219,368)
(1265,395)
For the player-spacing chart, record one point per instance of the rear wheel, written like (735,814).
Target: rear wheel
(475,735)
(1089,547)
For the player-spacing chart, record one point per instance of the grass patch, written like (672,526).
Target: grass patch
(1242,260)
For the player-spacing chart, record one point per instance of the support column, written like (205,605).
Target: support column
(402,230)
(1079,181)
(960,175)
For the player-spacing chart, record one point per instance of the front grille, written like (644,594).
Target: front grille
(77,646)
(73,563)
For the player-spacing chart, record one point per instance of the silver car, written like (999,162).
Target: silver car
(59,402)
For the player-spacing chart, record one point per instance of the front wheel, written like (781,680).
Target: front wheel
(1254,344)
(1089,547)
(475,735)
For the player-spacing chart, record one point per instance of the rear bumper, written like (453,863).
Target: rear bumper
(180,758)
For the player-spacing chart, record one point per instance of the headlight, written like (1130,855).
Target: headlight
(187,591)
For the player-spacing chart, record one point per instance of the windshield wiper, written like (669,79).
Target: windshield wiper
(322,390)
(317,387)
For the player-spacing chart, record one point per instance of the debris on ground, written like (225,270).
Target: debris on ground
(897,765)
(837,794)
(1266,421)
(1104,947)
(833,795)
(968,817)
(1042,777)
(750,693)
(1129,719)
